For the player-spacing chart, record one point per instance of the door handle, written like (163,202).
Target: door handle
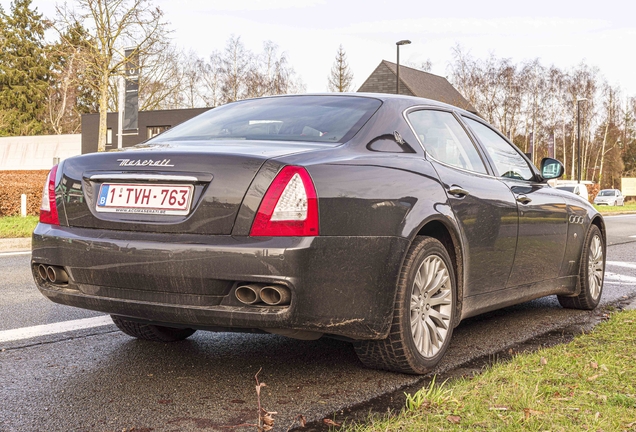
(458,191)
(523,199)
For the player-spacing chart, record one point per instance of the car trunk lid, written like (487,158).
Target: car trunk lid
(215,174)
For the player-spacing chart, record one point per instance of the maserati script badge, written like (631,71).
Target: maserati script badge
(148,162)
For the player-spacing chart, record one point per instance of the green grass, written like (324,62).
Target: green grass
(16,226)
(631,206)
(588,384)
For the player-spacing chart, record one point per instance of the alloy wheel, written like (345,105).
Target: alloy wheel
(431,306)
(595,266)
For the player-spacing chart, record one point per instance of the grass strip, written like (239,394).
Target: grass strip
(17,226)
(605,209)
(588,384)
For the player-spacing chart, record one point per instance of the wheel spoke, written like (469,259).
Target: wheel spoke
(436,338)
(441,299)
(431,268)
(419,281)
(438,282)
(439,319)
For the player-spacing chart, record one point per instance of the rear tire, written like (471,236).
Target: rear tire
(591,273)
(151,332)
(423,314)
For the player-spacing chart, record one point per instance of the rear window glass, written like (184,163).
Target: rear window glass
(566,188)
(329,119)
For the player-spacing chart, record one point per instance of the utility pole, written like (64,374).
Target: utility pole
(398,44)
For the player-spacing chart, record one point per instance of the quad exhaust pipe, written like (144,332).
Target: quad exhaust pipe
(271,295)
(53,274)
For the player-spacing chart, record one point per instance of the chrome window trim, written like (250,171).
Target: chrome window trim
(427,154)
(534,170)
(142,176)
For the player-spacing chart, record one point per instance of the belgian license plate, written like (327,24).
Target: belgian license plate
(162,199)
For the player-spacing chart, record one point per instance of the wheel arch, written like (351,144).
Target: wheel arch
(600,223)
(447,235)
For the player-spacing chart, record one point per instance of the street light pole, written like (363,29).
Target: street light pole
(578,137)
(397,83)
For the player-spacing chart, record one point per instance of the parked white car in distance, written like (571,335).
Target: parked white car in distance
(610,197)
(575,188)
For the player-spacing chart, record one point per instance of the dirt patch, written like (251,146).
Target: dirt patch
(15,183)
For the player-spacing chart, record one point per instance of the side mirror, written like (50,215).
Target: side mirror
(551,168)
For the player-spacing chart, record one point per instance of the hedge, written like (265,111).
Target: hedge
(15,183)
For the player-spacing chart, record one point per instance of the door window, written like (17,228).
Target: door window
(508,161)
(445,140)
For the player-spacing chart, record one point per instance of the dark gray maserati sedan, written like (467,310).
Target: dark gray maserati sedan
(381,219)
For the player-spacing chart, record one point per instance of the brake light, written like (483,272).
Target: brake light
(289,207)
(48,209)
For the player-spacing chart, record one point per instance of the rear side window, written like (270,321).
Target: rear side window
(508,162)
(329,119)
(445,140)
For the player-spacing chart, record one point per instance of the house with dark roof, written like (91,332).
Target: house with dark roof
(414,82)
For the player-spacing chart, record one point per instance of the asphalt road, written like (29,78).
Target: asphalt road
(101,380)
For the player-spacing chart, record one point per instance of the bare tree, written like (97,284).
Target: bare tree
(113,25)
(236,63)
(341,77)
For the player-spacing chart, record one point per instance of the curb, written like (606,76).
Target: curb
(15,244)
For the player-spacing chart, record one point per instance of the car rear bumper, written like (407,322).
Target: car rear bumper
(339,285)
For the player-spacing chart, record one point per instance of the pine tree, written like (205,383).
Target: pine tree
(24,70)
(341,77)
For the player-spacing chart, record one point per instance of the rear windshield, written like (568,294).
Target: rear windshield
(329,119)
(566,188)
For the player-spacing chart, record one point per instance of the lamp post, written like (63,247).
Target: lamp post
(397,84)
(578,137)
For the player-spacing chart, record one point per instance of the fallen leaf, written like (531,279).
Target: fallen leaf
(594,365)
(597,415)
(543,361)
(528,412)
(268,419)
(604,368)
(330,422)
(454,419)
(593,377)
(302,420)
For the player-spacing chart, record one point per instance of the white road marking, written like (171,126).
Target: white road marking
(54,328)
(630,265)
(619,277)
(14,253)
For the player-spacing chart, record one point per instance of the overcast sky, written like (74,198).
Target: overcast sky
(563,33)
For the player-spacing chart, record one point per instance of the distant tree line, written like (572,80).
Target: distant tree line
(46,86)
(536,107)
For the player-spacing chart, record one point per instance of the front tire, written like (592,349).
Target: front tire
(423,315)
(151,332)
(591,273)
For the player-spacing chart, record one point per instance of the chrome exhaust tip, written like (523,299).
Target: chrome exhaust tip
(56,275)
(42,272)
(275,295)
(248,294)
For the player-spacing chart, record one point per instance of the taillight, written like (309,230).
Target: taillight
(289,207)
(48,209)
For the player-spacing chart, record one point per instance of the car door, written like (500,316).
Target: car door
(543,215)
(484,207)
